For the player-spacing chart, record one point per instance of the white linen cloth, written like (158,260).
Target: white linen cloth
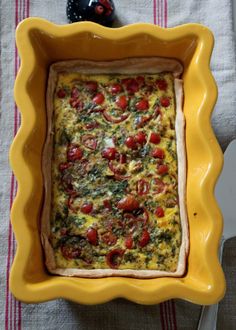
(119,314)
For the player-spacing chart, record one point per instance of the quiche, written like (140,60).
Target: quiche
(114,167)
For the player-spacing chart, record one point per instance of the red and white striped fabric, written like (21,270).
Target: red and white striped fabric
(119,314)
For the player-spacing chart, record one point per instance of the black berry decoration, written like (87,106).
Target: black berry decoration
(99,11)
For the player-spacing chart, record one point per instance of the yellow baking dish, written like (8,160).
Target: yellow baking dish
(41,43)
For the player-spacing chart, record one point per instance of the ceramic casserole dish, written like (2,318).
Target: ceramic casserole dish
(41,43)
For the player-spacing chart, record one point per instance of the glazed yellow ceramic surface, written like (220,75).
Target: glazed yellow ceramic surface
(41,43)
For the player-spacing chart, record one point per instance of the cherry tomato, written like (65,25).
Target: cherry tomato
(74,153)
(123,158)
(140,138)
(92,236)
(130,142)
(159,212)
(99,98)
(70,252)
(165,101)
(87,208)
(155,138)
(158,153)
(128,203)
(89,141)
(161,84)
(142,187)
(122,102)
(145,238)
(109,153)
(107,204)
(142,105)
(61,93)
(109,238)
(74,93)
(129,242)
(91,86)
(162,169)
(131,85)
(116,88)
(114,258)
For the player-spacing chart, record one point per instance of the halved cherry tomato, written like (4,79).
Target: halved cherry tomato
(61,93)
(130,142)
(92,236)
(129,242)
(122,102)
(128,203)
(74,93)
(99,98)
(87,208)
(159,212)
(70,252)
(114,120)
(158,153)
(109,238)
(161,84)
(114,258)
(162,169)
(155,138)
(116,88)
(142,105)
(91,86)
(142,187)
(89,141)
(109,153)
(145,238)
(165,101)
(140,138)
(131,85)
(74,152)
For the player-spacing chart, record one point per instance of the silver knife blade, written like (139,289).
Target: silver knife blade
(226,191)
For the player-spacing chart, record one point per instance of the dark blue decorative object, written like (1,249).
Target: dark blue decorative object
(99,11)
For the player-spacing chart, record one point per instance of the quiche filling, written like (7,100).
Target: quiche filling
(114,200)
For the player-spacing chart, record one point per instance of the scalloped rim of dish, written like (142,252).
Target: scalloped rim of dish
(132,289)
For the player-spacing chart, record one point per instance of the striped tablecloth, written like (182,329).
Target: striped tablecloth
(119,314)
